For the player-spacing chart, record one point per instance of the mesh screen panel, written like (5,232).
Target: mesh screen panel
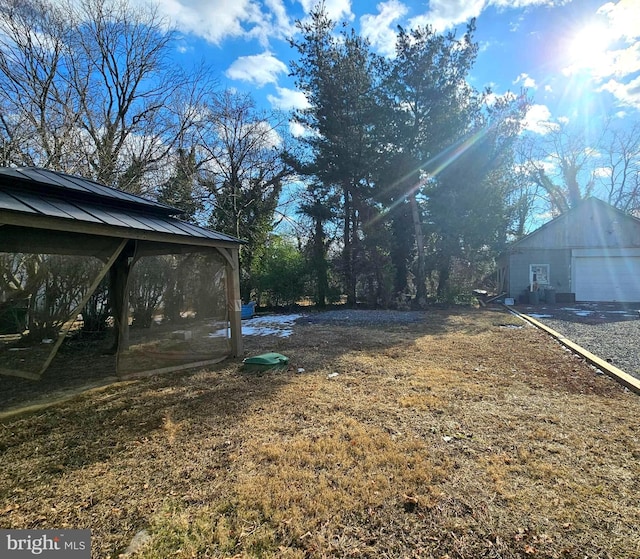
(177,312)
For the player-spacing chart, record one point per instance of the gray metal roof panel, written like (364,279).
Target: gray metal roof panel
(150,224)
(9,202)
(40,204)
(75,211)
(48,203)
(83,188)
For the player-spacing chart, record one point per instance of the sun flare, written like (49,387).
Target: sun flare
(588,47)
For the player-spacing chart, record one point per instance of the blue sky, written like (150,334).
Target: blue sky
(576,58)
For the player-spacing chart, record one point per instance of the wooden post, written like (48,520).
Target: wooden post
(119,296)
(234,302)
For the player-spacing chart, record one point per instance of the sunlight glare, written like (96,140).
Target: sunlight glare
(588,47)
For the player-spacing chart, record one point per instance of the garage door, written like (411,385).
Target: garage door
(611,278)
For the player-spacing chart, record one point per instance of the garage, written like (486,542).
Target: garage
(590,253)
(612,275)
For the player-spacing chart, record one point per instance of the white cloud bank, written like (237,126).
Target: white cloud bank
(538,120)
(379,28)
(258,69)
(288,99)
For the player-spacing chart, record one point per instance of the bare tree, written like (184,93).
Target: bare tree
(242,172)
(565,165)
(561,163)
(619,177)
(88,87)
(38,102)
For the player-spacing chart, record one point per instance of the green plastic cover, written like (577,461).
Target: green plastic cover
(267,360)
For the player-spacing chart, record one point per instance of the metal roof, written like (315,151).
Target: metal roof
(34,178)
(40,193)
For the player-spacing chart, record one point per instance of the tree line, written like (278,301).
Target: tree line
(409,180)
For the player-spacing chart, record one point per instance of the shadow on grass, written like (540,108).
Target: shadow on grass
(94,426)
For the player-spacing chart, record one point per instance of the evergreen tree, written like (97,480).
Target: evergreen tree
(338,75)
(181,189)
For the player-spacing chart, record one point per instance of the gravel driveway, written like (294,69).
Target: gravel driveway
(610,331)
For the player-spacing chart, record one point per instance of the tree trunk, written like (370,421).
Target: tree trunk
(421,287)
(320,264)
(347,254)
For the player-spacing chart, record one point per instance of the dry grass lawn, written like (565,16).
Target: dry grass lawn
(454,438)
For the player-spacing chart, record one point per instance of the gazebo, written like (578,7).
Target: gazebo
(95,274)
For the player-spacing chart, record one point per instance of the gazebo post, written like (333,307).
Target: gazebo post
(120,301)
(234,301)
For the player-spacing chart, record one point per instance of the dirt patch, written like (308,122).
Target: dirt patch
(453,436)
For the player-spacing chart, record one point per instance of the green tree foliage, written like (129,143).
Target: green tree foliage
(429,106)
(181,190)
(418,157)
(280,274)
(467,216)
(319,205)
(339,76)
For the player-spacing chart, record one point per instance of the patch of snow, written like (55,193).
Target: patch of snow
(534,315)
(273,325)
(583,313)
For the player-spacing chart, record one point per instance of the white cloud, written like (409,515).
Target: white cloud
(626,93)
(609,48)
(538,120)
(259,69)
(602,172)
(337,10)
(378,28)
(269,136)
(214,20)
(273,23)
(288,99)
(548,88)
(526,80)
(623,18)
(622,62)
(444,14)
(296,129)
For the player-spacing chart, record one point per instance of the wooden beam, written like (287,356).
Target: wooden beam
(616,374)
(234,302)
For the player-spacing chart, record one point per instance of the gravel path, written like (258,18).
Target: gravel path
(611,335)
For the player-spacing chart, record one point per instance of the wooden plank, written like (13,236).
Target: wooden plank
(234,302)
(616,374)
(173,369)
(21,374)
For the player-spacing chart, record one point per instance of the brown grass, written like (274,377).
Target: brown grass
(452,438)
